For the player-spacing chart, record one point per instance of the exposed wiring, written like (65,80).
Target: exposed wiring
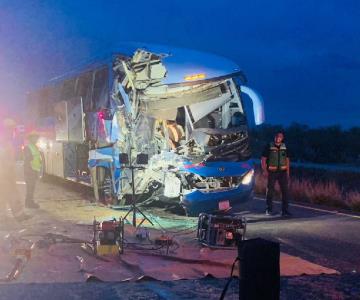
(144,248)
(170,231)
(230,279)
(186,233)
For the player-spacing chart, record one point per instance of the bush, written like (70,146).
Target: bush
(299,190)
(330,144)
(260,184)
(324,193)
(353,200)
(317,192)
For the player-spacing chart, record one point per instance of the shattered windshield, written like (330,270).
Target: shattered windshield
(218,128)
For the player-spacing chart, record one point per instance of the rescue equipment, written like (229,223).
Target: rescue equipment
(220,231)
(108,237)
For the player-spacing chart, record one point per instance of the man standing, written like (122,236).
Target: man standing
(9,195)
(275,164)
(32,167)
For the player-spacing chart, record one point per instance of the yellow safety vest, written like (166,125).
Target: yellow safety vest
(36,161)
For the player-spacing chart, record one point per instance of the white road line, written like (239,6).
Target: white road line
(317,209)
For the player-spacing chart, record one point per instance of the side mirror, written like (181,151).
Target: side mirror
(258,105)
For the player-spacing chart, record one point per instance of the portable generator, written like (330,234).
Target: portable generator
(220,231)
(108,238)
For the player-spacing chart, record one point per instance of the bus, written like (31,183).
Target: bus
(154,121)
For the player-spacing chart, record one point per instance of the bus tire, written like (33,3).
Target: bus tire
(102,184)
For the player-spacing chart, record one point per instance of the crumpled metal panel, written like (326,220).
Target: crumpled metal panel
(146,68)
(181,99)
(200,110)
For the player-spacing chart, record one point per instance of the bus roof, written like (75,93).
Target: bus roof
(180,63)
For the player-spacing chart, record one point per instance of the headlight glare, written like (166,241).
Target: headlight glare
(248,177)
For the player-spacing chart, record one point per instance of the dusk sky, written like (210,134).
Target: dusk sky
(302,56)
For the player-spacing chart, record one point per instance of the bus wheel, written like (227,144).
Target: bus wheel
(103,187)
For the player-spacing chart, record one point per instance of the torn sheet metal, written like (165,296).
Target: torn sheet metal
(146,69)
(200,110)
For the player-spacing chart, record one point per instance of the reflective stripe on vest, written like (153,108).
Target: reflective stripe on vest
(277,158)
(36,158)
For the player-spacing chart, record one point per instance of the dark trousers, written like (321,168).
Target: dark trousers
(31,178)
(280,177)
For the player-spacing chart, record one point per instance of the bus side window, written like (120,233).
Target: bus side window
(45,106)
(68,89)
(84,88)
(100,96)
(55,94)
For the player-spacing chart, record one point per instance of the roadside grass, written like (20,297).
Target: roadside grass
(316,192)
(353,201)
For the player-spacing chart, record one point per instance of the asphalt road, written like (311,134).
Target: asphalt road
(320,235)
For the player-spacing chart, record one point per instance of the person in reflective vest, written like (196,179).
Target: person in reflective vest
(9,195)
(32,168)
(275,164)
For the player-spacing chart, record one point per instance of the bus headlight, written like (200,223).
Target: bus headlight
(248,177)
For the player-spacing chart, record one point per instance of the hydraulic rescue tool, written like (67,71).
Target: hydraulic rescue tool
(108,237)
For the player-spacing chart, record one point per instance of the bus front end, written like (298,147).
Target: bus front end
(184,109)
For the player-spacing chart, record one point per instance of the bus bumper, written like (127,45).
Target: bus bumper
(197,202)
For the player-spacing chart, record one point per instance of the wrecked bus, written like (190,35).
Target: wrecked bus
(183,109)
